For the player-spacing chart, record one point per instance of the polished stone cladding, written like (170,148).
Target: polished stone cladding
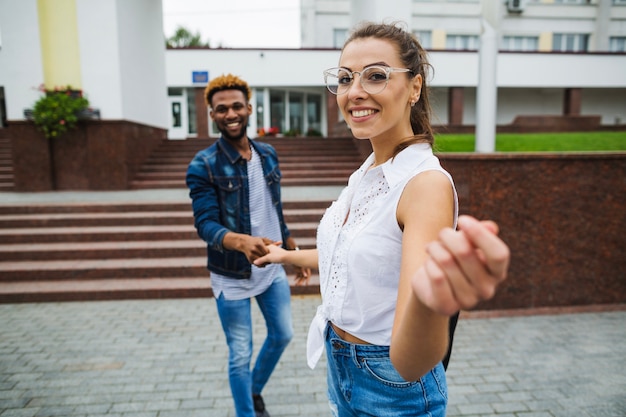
(563,216)
(96,156)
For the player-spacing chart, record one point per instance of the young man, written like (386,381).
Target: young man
(235,189)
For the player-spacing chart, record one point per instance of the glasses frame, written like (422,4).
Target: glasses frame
(385,69)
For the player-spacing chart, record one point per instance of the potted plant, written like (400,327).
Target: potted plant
(58,110)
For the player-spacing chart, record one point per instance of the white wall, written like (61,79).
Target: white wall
(122,58)
(303,67)
(21,70)
(529,83)
(100,57)
(259,67)
(142,61)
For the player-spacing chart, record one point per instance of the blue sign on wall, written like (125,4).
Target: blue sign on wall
(200,77)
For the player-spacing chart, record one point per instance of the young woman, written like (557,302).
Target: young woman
(394,260)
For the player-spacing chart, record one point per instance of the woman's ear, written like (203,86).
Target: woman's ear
(417,89)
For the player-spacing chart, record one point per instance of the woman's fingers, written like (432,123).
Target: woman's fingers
(483,236)
(464,267)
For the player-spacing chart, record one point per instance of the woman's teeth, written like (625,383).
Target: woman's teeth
(362,113)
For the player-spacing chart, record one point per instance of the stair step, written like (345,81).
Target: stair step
(92,234)
(120,289)
(112,250)
(103,269)
(119,233)
(160,218)
(124,207)
(97,219)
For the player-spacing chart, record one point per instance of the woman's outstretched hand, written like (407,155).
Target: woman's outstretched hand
(276,254)
(464,267)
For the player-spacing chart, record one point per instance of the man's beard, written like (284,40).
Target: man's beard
(237,137)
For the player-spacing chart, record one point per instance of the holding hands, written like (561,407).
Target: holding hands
(273,252)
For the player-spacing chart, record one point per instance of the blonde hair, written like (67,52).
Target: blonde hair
(226,82)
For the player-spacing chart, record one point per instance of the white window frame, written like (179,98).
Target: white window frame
(462,42)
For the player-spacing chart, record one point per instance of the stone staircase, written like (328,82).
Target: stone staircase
(6,164)
(103,251)
(147,249)
(305,161)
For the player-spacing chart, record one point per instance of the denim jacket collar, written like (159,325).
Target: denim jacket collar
(233,154)
(229,150)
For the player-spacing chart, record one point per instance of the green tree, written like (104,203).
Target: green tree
(183,38)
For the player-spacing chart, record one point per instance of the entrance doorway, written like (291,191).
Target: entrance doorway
(179,124)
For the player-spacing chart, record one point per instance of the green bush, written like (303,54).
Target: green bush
(57,111)
(313,132)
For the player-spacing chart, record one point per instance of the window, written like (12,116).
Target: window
(425,37)
(277,110)
(296,112)
(570,42)
(462,42)
(520,43)
(617,44)
(314,112)
(339,37)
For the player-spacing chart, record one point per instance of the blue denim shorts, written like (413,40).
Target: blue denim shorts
(363,382)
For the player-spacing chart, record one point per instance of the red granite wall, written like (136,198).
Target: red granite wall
(98,155)
(564,217)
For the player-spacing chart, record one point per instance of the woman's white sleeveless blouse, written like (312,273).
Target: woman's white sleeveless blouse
(359,261)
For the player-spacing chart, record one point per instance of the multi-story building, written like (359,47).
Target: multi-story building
(560,58)
(556,57)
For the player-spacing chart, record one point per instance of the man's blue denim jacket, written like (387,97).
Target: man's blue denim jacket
(217,179)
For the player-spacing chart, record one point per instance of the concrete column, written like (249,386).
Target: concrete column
(572,101)
(487,91)
(202,115)
(58,32)
(600,37)
(455,105)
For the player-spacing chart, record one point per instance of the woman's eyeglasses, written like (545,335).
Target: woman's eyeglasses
(373,79)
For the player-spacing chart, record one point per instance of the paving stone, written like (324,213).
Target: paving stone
(167,358)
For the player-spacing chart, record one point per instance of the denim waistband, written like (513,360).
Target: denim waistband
(338,346)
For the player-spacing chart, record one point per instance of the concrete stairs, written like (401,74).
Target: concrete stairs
(304,161)
(146,249)
(103,251)
(6,165)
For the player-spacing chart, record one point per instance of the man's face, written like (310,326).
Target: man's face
(230,111)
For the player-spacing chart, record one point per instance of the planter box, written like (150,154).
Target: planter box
(98,155)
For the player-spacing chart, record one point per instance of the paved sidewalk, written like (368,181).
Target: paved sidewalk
(166,358)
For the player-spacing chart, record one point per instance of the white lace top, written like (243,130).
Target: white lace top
(359,261)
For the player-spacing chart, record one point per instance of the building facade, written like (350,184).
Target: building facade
(556,57)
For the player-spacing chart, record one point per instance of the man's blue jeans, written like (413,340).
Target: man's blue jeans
(235,315)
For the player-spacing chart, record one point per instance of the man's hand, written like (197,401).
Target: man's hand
(255,247)
(302,274)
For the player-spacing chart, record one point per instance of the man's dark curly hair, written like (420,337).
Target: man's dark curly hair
(226,82)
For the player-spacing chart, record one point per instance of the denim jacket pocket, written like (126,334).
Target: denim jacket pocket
(230,195)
